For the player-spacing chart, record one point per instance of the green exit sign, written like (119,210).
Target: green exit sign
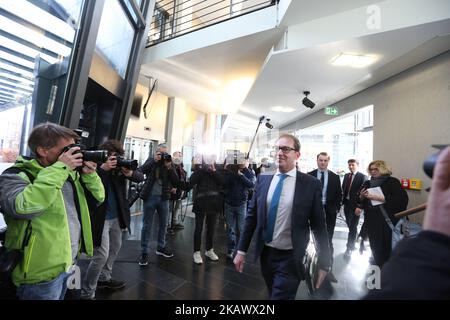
(331,111)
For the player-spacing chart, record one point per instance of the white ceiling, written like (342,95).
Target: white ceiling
(287,75)
(280,77)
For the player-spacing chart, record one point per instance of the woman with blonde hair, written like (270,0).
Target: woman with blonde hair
(380,206)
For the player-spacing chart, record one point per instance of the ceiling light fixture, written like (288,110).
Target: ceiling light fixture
(282,109)
(353,60)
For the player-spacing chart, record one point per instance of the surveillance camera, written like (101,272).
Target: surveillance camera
(306,102)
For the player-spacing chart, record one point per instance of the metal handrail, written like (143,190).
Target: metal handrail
(167,19)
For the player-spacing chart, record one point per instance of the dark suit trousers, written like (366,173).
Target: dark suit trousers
(330,217)
(352,222)
(280,273)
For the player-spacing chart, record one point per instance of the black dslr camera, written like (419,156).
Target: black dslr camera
(430,162)
(165,157)
(130,164)
(89,155)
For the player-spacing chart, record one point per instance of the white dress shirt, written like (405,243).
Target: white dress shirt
(282,231)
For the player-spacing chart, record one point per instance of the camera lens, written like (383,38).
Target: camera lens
(95,155)
(127,163)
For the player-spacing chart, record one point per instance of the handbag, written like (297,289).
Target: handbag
(403,229)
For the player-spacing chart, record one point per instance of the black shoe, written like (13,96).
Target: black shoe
(110,284)
(164,252)
(84,296)
(143,261)
(171,231)
(331,277)
(178,226)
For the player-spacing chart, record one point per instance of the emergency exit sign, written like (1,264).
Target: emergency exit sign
(331,111)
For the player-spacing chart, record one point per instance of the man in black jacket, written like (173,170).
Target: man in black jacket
(161,180)
(108,221)
(331,198)
(350,187)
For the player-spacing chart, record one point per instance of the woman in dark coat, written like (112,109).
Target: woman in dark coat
(393,198)
(208,203)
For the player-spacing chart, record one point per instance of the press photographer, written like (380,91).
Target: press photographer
(238,181)
(160,181)
(46,211)
(109,219)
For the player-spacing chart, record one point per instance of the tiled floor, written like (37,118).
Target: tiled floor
(178,278)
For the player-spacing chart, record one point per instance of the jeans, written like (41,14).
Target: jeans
(235,217)
(151,204)
(100,267)
(50,290)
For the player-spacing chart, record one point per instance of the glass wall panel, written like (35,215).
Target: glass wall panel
(115,37)
(342,139)
(36,45)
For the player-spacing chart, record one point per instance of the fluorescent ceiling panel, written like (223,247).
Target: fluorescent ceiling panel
(18,47)
(17,85)
(16,70)
(13,77)
(16,59)
(36,38)
(39,17)
(353,60)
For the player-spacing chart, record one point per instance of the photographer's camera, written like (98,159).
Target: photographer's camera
(89,155)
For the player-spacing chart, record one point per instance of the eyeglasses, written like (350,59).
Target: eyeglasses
(284,149)
(373,169)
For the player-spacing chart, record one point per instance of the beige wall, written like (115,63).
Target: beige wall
(156,119)
(188,125)
(411,112)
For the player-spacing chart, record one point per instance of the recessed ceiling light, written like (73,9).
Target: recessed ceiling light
(282,109)
(353,60)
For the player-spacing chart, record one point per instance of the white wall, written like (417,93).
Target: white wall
(156,120)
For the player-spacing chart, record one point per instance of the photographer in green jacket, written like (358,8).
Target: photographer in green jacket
(48,216)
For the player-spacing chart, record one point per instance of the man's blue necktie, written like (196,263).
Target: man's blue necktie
(272,216)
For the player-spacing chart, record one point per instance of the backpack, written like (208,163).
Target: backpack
(9,258)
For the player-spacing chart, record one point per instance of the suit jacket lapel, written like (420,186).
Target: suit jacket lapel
(265,190)
(297,193)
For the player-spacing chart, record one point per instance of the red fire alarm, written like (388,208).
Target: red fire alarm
(405,183)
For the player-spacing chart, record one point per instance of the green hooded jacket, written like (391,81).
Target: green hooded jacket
(48,250)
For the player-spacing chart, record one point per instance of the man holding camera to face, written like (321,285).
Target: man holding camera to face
(47,213)
(109,219)
(161,180)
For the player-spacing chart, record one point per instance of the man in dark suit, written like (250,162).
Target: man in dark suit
(350,186)
(285,206)
(331,198)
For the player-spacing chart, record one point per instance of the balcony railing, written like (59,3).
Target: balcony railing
(173,18)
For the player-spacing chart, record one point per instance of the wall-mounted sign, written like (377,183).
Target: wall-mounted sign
(331,111)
